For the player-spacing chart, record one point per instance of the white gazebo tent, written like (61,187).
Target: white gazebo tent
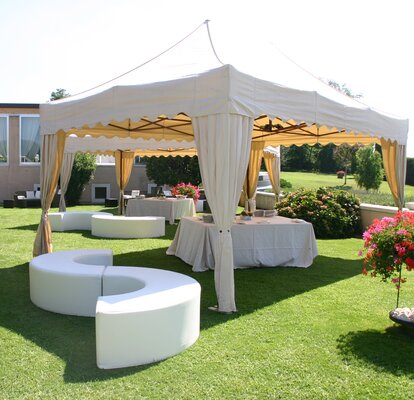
(226,113)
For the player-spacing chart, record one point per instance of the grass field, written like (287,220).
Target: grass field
(313,181)
(316,333)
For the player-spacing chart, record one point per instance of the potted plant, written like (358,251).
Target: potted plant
(388,247)
(186,189)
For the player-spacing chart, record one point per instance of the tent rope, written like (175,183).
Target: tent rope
(211,41)
(154,58)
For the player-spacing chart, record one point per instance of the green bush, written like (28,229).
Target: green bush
(83,170)
(333,213)
(285,184)
(410,172)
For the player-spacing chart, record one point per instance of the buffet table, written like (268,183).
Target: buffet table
(262,241)
(169,208)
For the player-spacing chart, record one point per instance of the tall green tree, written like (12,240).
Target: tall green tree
(173,170)
(343,88)
(298,158)
(325,162)
(59,94)
(369,172)
(84,165)
(344,155)
(83,171)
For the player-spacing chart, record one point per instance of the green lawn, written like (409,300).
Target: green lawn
(313,181)
(316,333)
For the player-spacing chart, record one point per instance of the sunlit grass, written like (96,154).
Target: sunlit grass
(311,180)
(316,333)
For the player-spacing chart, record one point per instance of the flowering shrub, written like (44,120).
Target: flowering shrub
(186,189)
(333,213)
(388,244)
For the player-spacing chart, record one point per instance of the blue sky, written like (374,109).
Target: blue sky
(77,44)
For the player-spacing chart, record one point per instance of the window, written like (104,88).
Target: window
(105,160)
(29,139)
(4,139)
(100,192)
(140,160)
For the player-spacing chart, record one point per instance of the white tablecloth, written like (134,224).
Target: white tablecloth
(170,208)
(263,241)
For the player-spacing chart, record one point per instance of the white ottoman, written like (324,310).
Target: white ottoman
(111,226)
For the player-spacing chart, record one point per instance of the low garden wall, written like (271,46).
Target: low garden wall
(369,212)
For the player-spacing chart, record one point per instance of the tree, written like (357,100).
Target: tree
(173,170)
(344,89)
(343,155)
(298,158)
(369,170)
(325,162)
(84,165)
(59,94)
(83,170)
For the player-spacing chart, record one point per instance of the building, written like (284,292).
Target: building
(20,157)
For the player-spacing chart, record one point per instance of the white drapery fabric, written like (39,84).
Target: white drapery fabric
(52,150)
(271,156)
(65,173)
(223,146)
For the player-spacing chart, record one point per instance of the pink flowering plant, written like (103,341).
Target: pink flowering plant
(186,189)
(388,246)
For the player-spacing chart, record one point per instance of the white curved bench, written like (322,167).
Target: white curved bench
(143,315)
(113,226)
(156,321)
(72,220)
(68,282)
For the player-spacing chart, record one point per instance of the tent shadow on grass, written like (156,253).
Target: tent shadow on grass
(390,350)
(49,330)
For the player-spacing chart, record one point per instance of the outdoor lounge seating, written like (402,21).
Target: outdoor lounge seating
(72,220)
(112,226)
(143,315)
(31,199)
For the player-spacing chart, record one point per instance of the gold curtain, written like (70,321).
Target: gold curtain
(394,159)
(252,175)
(123,167)
(272,163)
(52,156)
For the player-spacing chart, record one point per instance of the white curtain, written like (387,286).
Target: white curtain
(223,145)
(65,174)
(30,138)
(3,139)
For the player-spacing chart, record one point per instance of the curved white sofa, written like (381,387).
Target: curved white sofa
(68,282)
(114,226)
(143,315)
(72,220)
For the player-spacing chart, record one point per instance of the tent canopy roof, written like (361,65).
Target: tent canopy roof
(163,111)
